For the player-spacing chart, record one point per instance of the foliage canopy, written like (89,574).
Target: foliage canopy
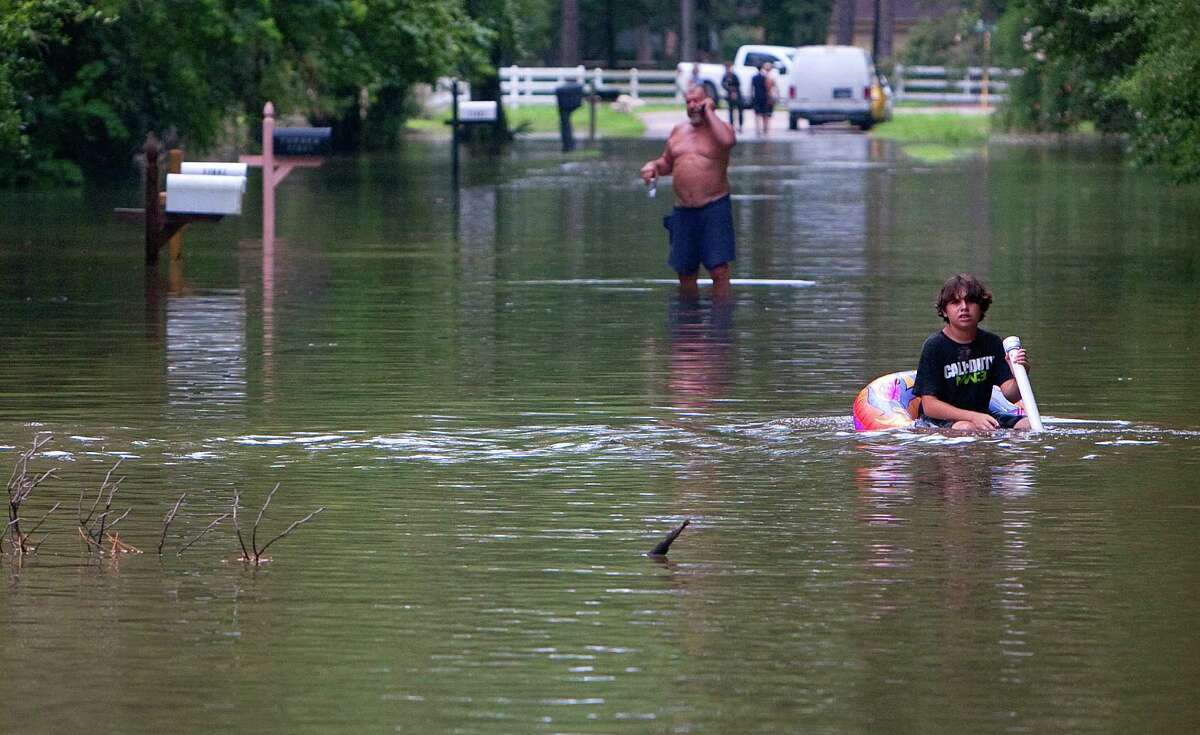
(1129,66)
(82,82)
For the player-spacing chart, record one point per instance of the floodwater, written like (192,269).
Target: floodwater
(501,406)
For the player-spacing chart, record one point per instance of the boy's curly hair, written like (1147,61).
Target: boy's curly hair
(970,287)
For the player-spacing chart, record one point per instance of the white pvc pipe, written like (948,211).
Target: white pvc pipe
(1027,399)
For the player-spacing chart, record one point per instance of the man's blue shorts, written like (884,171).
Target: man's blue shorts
(701,235)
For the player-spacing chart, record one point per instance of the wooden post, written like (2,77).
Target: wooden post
(513,99)
(274,174)
(159,225)
(268,169)
(454,132)
(174,242)
(592,116)
(153,210)
(174,166)
(987,60)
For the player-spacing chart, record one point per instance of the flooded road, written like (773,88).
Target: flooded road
(503,402)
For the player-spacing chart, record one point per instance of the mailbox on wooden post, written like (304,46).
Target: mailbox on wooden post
(467,113)
(598,94)
(301,141)
(205,194)
(569,98)
(477,111)
(196,192)
(284,149)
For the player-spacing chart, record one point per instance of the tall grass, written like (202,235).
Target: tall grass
(945,129)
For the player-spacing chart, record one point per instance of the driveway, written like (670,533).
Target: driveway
(659,124)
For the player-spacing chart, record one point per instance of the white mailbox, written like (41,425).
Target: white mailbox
(205,194)
(213,168)
(478,111)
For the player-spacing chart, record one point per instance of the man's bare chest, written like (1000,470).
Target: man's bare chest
(698,146)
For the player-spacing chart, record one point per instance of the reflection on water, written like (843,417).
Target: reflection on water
(701,346)
(475,223)
(206,355)
(503,400)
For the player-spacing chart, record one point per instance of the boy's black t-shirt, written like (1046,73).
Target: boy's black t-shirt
(962,375)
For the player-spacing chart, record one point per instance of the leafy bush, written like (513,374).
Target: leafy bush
(1162,89)
(30,31)
(1074,55)
(81,83)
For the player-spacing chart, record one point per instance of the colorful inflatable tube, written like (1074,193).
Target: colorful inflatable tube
(888,402)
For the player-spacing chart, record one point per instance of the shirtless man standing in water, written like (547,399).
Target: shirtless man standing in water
(701,226)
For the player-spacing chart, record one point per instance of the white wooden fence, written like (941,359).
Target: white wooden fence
(527,85)
(961,86)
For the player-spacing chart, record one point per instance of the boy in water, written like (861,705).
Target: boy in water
(961,362)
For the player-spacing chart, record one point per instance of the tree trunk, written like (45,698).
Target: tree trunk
(490,90)
(687,30)
(645,53)
(568,34)
(610,34)
(843,22)
(885,27)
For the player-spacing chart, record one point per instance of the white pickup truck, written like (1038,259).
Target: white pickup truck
(745,66)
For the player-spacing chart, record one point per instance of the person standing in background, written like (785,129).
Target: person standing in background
(764,98)
(733,95)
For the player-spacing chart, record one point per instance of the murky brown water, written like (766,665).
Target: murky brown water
(500,411)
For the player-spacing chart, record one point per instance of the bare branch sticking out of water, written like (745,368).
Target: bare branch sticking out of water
(288,531)
(167,522)
(665,545)
(38,525)
(237,497)
(255,554)
(119,546)
(96,527)
(21,485)
(199,536)
(86,539)
(28,545)
(113,542)
(263,509)
(83,521)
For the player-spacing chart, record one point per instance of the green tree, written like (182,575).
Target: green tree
(383,47)
(602,22)
(1074,53)
(82,83)
(1162,91)
(796,23)
(1129,66)
(509,31)
(947,40)
(30,32)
